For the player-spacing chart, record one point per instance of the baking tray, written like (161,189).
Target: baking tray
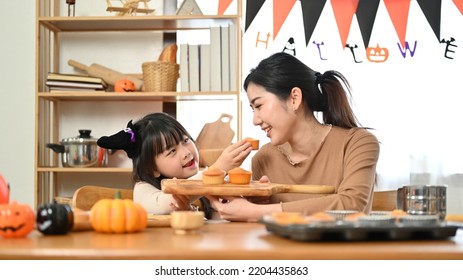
(349,231)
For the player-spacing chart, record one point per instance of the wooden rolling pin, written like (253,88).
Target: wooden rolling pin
(110,76)
(196,187)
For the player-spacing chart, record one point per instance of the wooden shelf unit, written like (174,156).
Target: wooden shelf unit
(49,27)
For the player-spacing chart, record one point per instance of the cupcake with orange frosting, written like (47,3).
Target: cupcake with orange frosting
(213,176)
(239,176)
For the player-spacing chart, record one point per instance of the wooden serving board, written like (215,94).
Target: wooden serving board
(216,135)
(158,220)
(196,187)
(82,221)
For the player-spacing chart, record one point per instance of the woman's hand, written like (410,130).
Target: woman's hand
(233,208)
(233,155)
(264,179)
(240,209)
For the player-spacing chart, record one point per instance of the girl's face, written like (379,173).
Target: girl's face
(181,161)
(274,116)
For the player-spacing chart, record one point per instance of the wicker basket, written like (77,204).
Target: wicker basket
(160,76)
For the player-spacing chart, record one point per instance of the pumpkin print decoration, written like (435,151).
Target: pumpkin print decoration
(124,85)
(4,191)
(16,220)
(118,216)
(377,54)
(54,218)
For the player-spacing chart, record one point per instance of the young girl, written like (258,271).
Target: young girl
(160,148)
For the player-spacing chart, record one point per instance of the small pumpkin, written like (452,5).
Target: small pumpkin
(16,220)
(118,216)
(4,191)
(54,218)
(124,85)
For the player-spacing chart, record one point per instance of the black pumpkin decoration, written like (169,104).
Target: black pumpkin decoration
(54,218)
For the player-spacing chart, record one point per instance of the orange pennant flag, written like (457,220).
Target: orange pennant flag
(223,6)
(398,12)
(344,11)
(459,4)
(281,9)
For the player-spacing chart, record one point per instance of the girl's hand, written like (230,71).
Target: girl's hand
(233,155)
(182,202)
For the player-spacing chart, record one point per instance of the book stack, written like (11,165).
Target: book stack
(211,67)
(71,82)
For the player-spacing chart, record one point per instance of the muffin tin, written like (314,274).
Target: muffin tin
(367,228)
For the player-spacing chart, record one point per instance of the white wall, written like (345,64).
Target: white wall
(17,103)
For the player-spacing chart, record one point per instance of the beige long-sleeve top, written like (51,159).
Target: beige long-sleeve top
(346,160)
(154,200)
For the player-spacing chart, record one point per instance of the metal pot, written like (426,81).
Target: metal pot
(423,200)
(81,151)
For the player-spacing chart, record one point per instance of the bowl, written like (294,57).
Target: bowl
(186,222)
(208,157)
(340,214)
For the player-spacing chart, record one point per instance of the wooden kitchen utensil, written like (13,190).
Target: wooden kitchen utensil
(196,187)
(109,75)
(217,134)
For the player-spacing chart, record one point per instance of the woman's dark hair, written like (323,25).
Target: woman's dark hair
(327,92)
(158,132)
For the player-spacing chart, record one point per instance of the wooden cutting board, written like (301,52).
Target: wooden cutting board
(82,221)
(196,187)
(217,134)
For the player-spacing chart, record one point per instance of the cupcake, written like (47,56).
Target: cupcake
(240,176)
(254,142)
(213,176)
(289,218)
(321,217)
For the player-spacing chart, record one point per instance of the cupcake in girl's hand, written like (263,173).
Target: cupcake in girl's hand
(254,142)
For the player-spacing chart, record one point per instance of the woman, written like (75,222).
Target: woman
(285,95)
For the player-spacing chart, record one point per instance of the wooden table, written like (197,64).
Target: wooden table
(218,241)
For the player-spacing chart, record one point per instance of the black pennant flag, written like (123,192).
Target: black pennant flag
(432,11)
(366,15)
(311,11)
(252,8)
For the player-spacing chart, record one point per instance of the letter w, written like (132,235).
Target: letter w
(404,51)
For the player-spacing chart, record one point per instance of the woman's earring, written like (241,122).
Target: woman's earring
(294,109)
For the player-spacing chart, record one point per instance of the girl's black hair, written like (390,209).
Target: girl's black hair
(157,132)
(327,92)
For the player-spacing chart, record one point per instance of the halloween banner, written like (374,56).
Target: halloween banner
(344,11)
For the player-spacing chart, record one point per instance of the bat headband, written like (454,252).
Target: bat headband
(126,139)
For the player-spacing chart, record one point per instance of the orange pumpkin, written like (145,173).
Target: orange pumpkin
(118,216)
(4,191)
(124,85)
(377,54)
(16,220)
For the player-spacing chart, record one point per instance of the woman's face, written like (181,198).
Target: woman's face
(181,161)
(271,114)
